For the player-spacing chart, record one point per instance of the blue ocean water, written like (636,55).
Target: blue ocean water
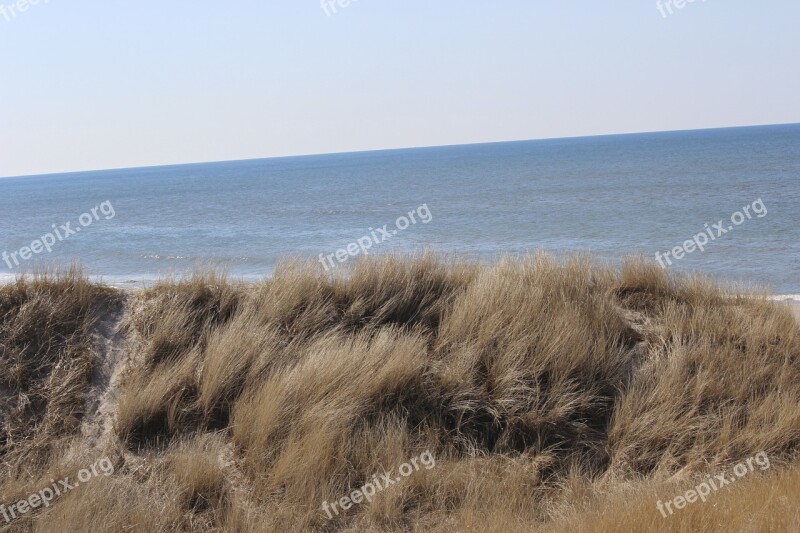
(609,195)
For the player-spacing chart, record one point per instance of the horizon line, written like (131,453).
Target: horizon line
(393,149)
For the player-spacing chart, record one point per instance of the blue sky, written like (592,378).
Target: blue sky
(90,85)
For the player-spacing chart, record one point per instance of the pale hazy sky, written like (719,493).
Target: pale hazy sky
(90,84)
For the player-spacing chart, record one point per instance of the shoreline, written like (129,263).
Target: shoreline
(136,285)
(121,283)
(791,300)
(133,286)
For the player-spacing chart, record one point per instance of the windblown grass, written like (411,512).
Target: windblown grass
(46,362)
(553,395)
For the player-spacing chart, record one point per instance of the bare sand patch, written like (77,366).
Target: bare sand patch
(796,310)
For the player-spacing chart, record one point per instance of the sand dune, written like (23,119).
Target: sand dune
(553,397)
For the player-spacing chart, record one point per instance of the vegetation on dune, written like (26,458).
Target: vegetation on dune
(46,362)
(553,395)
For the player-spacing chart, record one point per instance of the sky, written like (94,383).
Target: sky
(93,85)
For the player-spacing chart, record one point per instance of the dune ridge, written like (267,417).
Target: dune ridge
(554,396)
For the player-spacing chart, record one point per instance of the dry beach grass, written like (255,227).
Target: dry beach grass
(554,396)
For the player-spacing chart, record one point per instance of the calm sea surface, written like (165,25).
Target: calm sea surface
(611,195)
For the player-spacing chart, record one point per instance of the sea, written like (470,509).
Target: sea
(611,196)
